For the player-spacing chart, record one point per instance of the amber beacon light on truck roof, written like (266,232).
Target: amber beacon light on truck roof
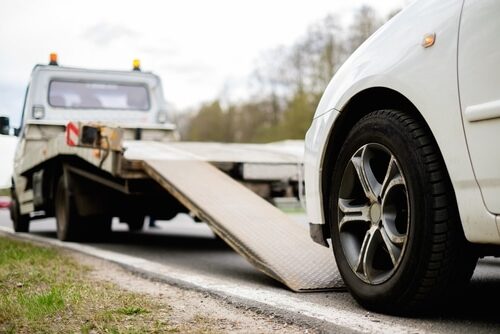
(53,59)
(136,63)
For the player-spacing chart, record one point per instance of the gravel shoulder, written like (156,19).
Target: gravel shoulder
(190,311)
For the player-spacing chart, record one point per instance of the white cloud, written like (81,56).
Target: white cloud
(104,34)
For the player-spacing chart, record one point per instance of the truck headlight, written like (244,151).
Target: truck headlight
(162,117)
(38,112)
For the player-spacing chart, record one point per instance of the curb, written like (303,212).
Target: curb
(289,309)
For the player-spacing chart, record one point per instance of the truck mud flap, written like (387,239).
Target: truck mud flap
(260,232)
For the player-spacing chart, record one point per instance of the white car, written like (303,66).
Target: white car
(402,157)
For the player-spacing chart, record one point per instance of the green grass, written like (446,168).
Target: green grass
(131,310)
(39,305)
(5,192)
(297,211)
(44,291)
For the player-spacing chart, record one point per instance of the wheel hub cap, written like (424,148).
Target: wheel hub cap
(375,213)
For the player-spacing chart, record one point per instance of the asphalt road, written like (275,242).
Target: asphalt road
(193,247)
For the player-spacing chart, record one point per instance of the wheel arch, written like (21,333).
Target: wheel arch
(357,107)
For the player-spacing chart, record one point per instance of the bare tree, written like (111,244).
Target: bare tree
(364,24)
(290,81)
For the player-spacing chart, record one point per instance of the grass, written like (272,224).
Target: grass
(5,192)
(45,291)
(289,205)
(131,310)
(38,305)
(295,211)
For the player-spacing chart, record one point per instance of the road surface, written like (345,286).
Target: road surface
(192,246)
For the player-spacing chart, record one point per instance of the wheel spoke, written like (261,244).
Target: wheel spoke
(391,170)
(361,263)
(397,239)
(353,212)
(396,181)
(367,253)
(365,174)
(393,250)
(371,249)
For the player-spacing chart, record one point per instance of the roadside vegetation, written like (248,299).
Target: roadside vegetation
(5,192)
(286,83)
(45,291)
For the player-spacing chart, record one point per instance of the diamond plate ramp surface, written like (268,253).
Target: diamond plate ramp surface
(260,232)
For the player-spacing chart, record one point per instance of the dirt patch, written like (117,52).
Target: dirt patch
(190,311)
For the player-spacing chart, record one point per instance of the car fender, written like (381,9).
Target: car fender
(394,58)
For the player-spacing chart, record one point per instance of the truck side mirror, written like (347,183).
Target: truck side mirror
(4,125)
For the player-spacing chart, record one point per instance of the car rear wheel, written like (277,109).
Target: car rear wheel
(396,233)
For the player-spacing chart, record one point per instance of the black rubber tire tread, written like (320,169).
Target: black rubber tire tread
(446,260)
(20,223)
(135,223)
(95,228)
(69,224)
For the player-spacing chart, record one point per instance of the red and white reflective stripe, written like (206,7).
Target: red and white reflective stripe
(72,133)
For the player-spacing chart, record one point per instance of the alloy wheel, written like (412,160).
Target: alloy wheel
(373,213)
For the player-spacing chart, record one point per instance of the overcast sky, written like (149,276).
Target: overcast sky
(199,48)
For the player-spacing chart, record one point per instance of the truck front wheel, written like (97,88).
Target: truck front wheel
(67,218)
(20,222)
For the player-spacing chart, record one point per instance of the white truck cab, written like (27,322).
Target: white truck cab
(45,166)
(62,94)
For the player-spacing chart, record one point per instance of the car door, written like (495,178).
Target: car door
(479,87)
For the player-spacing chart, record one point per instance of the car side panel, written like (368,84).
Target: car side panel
(479,82)
(395,58)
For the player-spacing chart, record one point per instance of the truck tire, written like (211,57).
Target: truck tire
(135,223)
(395,227)
(69,223)
(20,223)
(96,228)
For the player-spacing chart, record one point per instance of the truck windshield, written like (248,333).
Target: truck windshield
(98,95)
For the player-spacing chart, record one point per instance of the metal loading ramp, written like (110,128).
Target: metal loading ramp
(257,230)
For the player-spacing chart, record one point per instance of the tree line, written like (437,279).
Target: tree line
(288,81)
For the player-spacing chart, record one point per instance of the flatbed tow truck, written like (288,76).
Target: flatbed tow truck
(97,144)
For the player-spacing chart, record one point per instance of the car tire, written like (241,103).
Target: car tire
(20,222)
(395,228)
(69,223)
